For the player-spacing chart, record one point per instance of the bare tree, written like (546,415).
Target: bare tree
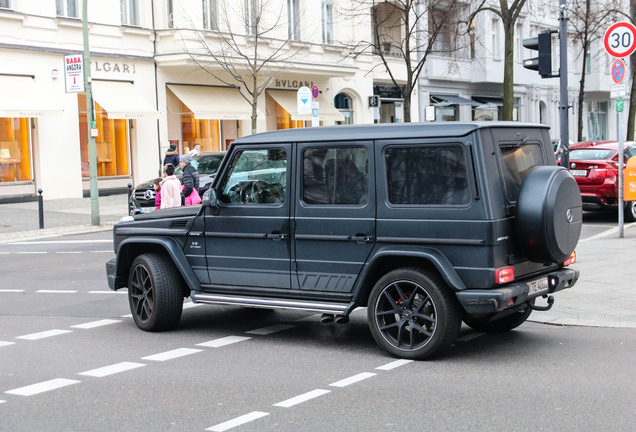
(403,34)
(508,13)
(588,21)
(249,60)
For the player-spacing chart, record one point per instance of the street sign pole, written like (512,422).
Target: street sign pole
(621,162)
(563,84)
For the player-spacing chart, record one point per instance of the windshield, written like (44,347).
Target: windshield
(205,164)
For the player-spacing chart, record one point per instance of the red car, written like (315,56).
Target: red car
(594,165)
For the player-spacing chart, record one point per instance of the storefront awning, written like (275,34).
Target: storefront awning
(447,99)
(213,103)
(489,100)
(287,99)
(22,97)
(121,100)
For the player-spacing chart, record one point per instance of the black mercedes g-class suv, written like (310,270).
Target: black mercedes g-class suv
(426,225)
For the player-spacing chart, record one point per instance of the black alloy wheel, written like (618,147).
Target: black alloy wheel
(630,211)
(412,314)
(155,292)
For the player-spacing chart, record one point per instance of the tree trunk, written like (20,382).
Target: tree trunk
(508,84)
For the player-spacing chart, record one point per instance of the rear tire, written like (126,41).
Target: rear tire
(630,211)
(501,325)
(412,314)
(155,292)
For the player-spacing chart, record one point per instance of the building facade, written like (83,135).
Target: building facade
(183,72)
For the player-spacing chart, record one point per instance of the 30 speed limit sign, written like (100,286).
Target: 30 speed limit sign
(620,39)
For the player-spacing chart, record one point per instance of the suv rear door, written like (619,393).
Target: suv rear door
(334,215)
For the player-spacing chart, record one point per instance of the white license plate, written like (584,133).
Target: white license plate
(146,209)
(538,286)
(579,173)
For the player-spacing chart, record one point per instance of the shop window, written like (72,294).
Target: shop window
(66,8)
(15,149)
(284,120)
(111,144)
(204,132)
(343,103)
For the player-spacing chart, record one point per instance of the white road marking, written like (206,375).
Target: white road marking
(217,343)
(44,334)
(32,253)
(93,324)
(112,369)
(11,290)
(127,316)
(1,401)
(302,398)
(470,336)
(3,343)
(5,253)
(238,421)
(393,365)
(42,387)
(173,354)
(270,329)
(191,305)
(56,291)
(353,379)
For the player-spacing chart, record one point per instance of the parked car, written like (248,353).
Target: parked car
(142,199)
(594,165)
(424,224)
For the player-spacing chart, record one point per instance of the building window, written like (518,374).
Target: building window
(496,45)
(518,43)
(293,19)
(343,103)
(327,22)
(204,132)
(210,20)
(130,12)
(450,39)
(387,29)
(170,14)
(5,4)
(112,142)
(251,16)
(15,149)
(597,121)
(66,8)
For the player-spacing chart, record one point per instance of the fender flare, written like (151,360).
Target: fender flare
(168,244)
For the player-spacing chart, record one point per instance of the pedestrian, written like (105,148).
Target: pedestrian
(190,181)
(156,185)
(172,156)
(170,188)
(196,149)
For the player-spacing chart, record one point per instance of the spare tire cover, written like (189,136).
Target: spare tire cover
(549,214)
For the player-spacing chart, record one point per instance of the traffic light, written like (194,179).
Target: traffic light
(543,63)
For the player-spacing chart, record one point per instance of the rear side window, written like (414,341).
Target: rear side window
(518,160)
(427,175)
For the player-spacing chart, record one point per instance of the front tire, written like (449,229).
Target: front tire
(412,314)
(155,292)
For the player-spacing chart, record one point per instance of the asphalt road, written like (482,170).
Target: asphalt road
(72,359)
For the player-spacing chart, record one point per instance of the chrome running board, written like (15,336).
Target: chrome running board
(272,303)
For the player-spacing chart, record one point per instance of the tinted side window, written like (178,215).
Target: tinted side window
(336,175)
(427,175)
(256,177)
(518,161)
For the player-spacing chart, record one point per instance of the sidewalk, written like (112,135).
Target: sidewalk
(605,295)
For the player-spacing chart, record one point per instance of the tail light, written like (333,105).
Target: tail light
(610,170)
(570,260)
(504,275)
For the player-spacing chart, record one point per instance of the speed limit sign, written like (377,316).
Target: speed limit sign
(620,39)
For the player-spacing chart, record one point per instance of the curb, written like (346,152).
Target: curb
(53,232)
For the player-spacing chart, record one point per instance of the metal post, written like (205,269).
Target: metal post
(130,210)
(92,151)
(621,163)
(41,208)
(563,84)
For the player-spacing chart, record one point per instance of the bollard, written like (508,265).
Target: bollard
(129,200)
(41,208)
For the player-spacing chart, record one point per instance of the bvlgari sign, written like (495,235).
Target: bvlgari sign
(74,73)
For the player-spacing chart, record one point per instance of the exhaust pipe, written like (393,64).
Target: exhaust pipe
(342,319)
(327,319)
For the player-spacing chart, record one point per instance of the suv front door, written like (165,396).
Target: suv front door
(247,242)
(334,215)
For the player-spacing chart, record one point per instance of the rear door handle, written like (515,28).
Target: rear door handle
(277,237)
(362,239)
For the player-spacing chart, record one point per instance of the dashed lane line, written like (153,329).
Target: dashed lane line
(394,364)
(31,253)
(172,354)
(11,290)
(296,400)
(353,379)
(3,343)
(44,334)
(217,343)
(112,369)
(42,387)
(44,291)
(238,421)
(94,324)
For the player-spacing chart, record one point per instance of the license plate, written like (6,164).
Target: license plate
(579,173)
(538,286)
(146,209)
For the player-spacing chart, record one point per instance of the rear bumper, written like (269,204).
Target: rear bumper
(498,299)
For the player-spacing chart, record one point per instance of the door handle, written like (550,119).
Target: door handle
(277,237)
(362,239)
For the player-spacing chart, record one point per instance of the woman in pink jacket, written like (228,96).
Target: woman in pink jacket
(170,188)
